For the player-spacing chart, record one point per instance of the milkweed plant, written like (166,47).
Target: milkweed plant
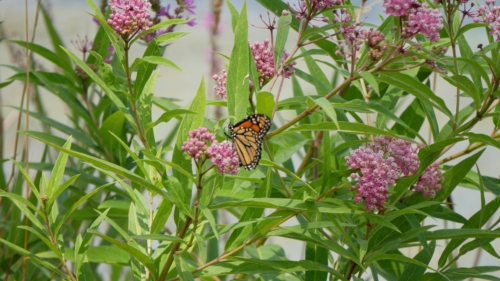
(350,175)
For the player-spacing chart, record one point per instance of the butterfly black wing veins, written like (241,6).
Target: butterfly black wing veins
(247,136)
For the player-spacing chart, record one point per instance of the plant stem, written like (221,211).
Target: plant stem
(310,109)
(239,248)
(140,131)
(175,248)
(54,241)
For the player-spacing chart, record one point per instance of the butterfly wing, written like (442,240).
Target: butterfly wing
(247,136)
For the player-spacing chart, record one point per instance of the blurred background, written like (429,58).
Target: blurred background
(192,54)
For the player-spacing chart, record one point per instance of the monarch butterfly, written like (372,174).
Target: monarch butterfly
(247,136)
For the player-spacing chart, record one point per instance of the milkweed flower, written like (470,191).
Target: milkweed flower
(399,8)
(129,16)
(419,18)
(325,4)
(491,17)
(377,173)
(198,143)
(220,88)
(381,163)
(224,155)
(426,21)
(263,55)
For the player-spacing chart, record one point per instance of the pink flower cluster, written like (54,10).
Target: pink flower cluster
(384,161)
(429,182)
(198,142)
(491,17)
(420,18)
(399,8)
(377,174)
(264,59)
(263,55)
(225,157)
(426,21)
(220,88)
(202,143)
(129,16)
(325,4)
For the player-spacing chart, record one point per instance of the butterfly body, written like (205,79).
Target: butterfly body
(247,136)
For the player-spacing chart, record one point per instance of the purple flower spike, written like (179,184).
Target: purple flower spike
(224,155)
(198,142)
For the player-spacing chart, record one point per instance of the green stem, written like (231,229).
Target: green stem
(131,92)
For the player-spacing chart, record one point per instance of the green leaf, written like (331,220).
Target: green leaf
(371,80)
(381,221)
(54,36)
(34,258)
(416,88)
(111,95)
(178,196)
(265,103)
(316,72)
(211,220)
(27,178)
(77,204)
(113,126)
(54,58)
(474,66)
(144,107)
(160,61)
(474,223)
(327,107)
(482,138)
(21,203)
(137,254)
(170,37)
(234,15)
(311,52)
(412,119)
(107,166)
(46,137)
(257,266)
(413,272)
(321,88)
(58,172)
(60,188)
(43,236)
(398,258)
(79,135)
(237,74)
(159,237)
(189,123)
(344,126)
(249,214)
(443,234)
(281,38)
(159,26)
(183,269)
(465,84)
(286,204)
(165,117)
(161,216)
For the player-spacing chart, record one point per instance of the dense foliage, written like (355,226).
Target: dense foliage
(350,176)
